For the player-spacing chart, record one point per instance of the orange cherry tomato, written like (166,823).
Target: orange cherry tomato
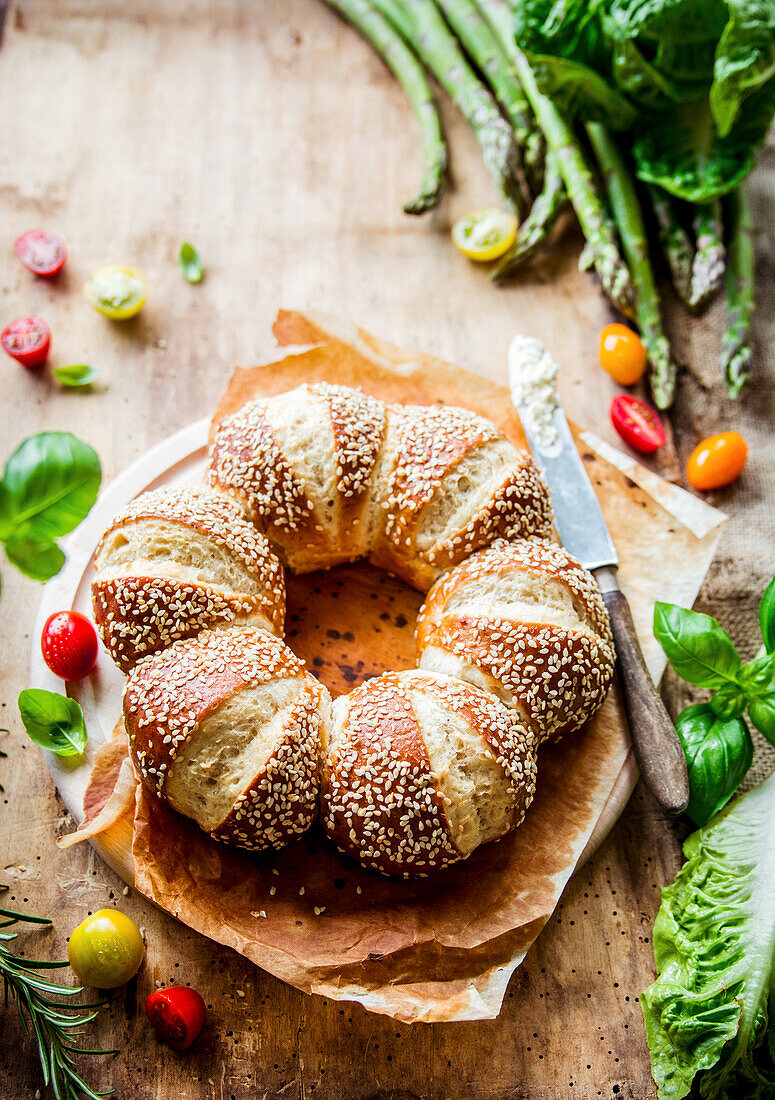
(622,354)
(717,461)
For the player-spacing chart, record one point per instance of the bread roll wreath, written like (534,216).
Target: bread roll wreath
(413,770)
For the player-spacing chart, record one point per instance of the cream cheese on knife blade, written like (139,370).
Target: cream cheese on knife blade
(533,378)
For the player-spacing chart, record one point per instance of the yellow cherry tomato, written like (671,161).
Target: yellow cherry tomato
(717,461)
(116,292)
(106,949)
(622,354)
(485,234)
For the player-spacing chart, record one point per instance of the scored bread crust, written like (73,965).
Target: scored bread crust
(280,803)
(520,507)
(169,695)
(141,612)
(249,460)
(393,469)
(381,801)
(550,655)
(426,447)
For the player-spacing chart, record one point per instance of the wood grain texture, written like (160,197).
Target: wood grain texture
(266,133)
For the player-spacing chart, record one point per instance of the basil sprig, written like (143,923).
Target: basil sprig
(49,485)
(715,738)
(53,721)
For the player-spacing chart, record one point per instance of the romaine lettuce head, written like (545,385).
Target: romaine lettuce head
(694,79)
(712,1007)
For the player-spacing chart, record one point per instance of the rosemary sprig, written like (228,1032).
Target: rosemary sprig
(55,1025)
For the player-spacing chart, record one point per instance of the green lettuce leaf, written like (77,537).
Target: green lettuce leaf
(692,80)
(745,59)
(683,152)
(711,1010)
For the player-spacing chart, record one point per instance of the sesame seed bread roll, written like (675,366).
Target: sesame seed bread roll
(176,561)
(450,483)
(525,621)
(301,464)
(420,769)
(225,727)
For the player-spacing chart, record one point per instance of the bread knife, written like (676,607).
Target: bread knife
(584,533)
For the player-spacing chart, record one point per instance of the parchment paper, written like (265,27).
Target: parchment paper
(442,948)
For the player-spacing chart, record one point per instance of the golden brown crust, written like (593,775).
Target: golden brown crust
(248,461)
(141,613)
(381,802)
(520,507)
(427,443)
(139,616)
(281,801)
(212,514)
(378,797)
(557,677)
(167,695)
(556,673)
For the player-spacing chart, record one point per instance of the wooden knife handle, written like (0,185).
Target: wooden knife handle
(657,748)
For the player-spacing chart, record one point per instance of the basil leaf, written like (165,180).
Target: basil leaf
(728,702)
(762,714)
(77,374)
(756,676)
(191,263)
(718,754)
(49,485)
(696,646)
(767,617)
(39,560)
(53,721)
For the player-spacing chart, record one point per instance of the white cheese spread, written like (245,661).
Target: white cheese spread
(533,379)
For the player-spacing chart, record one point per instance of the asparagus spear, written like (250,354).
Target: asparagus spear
(481,46)
(676,244)
(421,25)
(577,177)
(736,342)
(626,210)
(539,223)
(411,76)
(708,266)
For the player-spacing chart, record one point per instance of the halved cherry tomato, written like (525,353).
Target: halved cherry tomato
(717,461)
(622,354)
(106,949)
(176,1014)
(485,234)
(637,423)
(69,645)
(41,252)
(27,340)
(116,291)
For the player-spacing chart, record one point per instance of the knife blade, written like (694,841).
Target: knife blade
(584,534)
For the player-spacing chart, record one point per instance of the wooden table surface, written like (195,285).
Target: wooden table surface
(266,133)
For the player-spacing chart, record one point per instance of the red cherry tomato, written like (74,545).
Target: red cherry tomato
(176,1014)
(637,424)
(41,252)
(717,461)
(69,645)
(27,340)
